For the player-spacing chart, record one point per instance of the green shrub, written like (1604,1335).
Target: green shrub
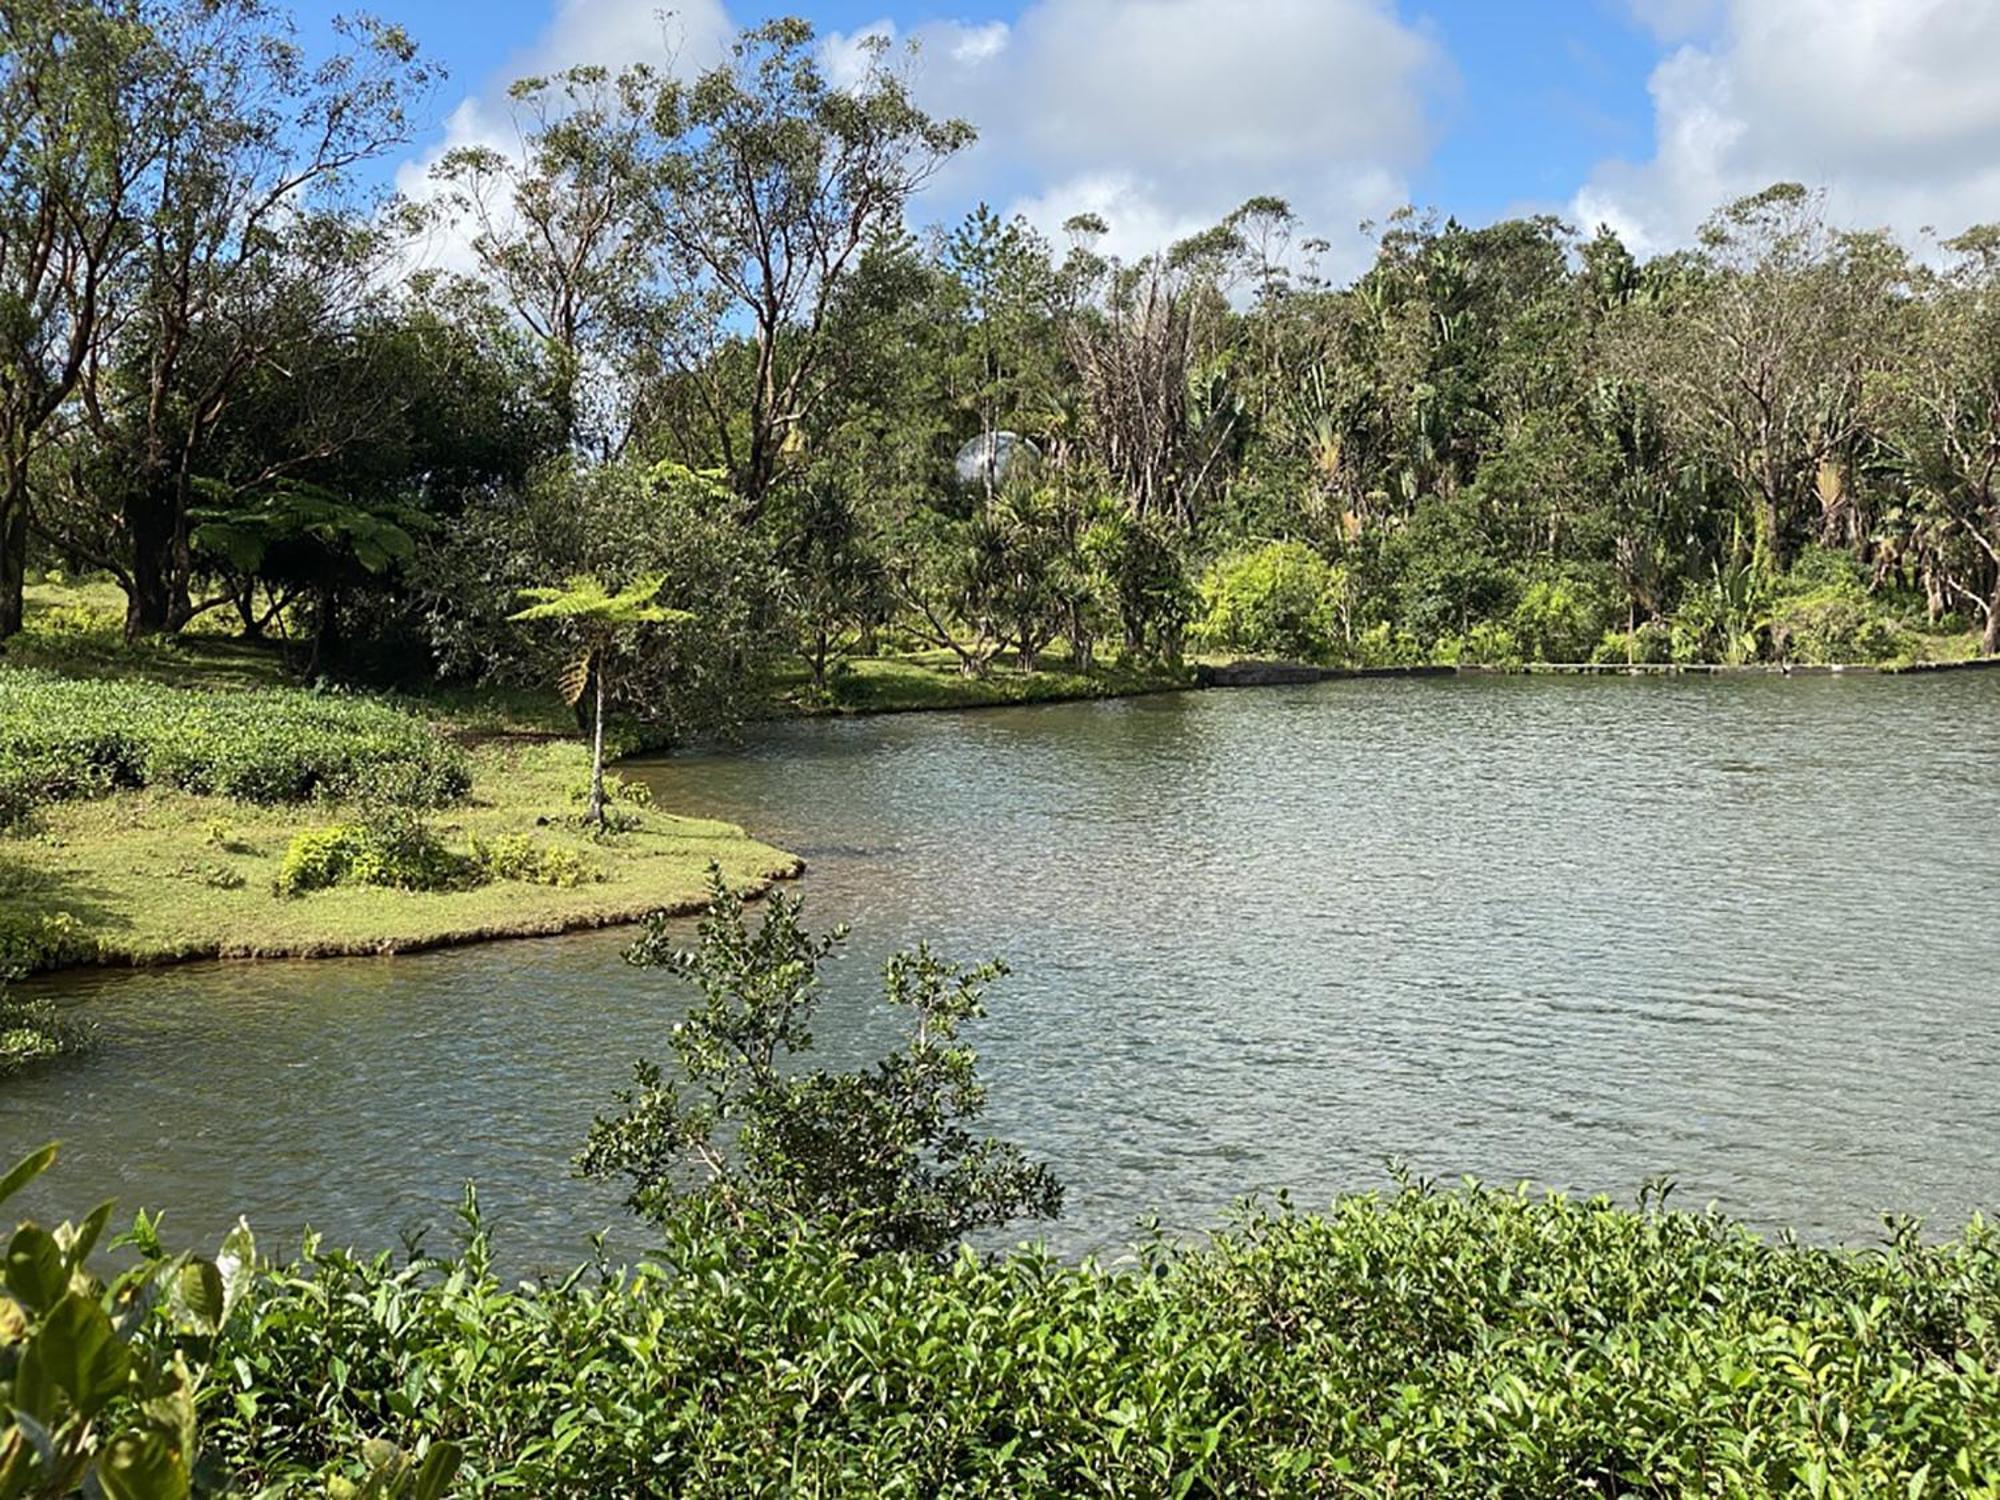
(76,619)
(1651,643)
(517,857)
(1486,644)
(19,796)
(616,789)
(106,1388)
(1833,627)
(61,737)
(1281,599)
(47,940)
(34,1030)
(1474,1342)
(394,848)
(1381,645)
(1559,619)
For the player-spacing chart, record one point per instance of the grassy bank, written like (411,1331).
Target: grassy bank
(929,680)
(156,875)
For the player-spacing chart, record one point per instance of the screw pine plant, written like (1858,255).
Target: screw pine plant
(601,624)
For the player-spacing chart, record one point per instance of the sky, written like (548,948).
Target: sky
(1162,115)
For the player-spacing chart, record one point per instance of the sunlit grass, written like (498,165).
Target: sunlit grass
(151,876)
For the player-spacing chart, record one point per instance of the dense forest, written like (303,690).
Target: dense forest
(696,336)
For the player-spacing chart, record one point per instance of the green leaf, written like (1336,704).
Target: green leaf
(141,1465)
(81,1353)
(198,1295)
(439,1467)
(27,1170)
(87,1234)
(34,1386)
(37,1270)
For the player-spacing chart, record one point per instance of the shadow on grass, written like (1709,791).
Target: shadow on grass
(48,917)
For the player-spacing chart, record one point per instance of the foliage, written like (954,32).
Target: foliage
(42,940)
(1559,619)
(64,738)
(1439,1343)
(1282,599)
(391,847)
(102,1381)
(602,624)
(1822,613)
(617,523)
(516,856)
(34,1030)
(885,1157)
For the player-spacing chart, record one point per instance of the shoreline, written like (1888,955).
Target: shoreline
(754,888)
(1208,676)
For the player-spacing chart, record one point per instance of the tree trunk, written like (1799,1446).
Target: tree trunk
(594,814)
(157,597)
(13,552)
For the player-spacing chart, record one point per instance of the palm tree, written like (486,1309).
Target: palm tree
(601,621)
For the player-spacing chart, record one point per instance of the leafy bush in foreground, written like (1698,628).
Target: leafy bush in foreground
(102,1386)
(883,1157)
(1473,1342)
(61,737)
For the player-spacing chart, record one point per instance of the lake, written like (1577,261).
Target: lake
(1737,931)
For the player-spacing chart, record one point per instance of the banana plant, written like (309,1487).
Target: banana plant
(600,622)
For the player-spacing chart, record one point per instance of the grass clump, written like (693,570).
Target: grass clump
(517,857)
(63,738)
(34,1030)
(392,848)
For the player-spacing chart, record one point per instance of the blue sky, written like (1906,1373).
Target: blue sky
(1162,114)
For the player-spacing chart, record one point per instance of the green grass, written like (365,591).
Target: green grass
(932,680)
(158,875)
(76,629)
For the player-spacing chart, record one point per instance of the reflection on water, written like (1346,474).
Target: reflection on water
(1585,931)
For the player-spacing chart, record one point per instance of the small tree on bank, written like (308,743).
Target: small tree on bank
(602,623)
(885,1155)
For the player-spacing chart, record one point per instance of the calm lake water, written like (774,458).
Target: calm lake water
(1742,932)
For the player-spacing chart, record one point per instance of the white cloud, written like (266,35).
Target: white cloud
(1160,115)
(1889,104)
(1163,115)
(682,35)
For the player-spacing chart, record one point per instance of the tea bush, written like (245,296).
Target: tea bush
(392,848)
(1472,1342)
(517,857)
(61,737)
(103,1386)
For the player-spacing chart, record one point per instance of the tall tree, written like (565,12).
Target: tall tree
(776,181)
(85,104)
(240,236)
(567,231)
(1940,412)
(1761,353)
